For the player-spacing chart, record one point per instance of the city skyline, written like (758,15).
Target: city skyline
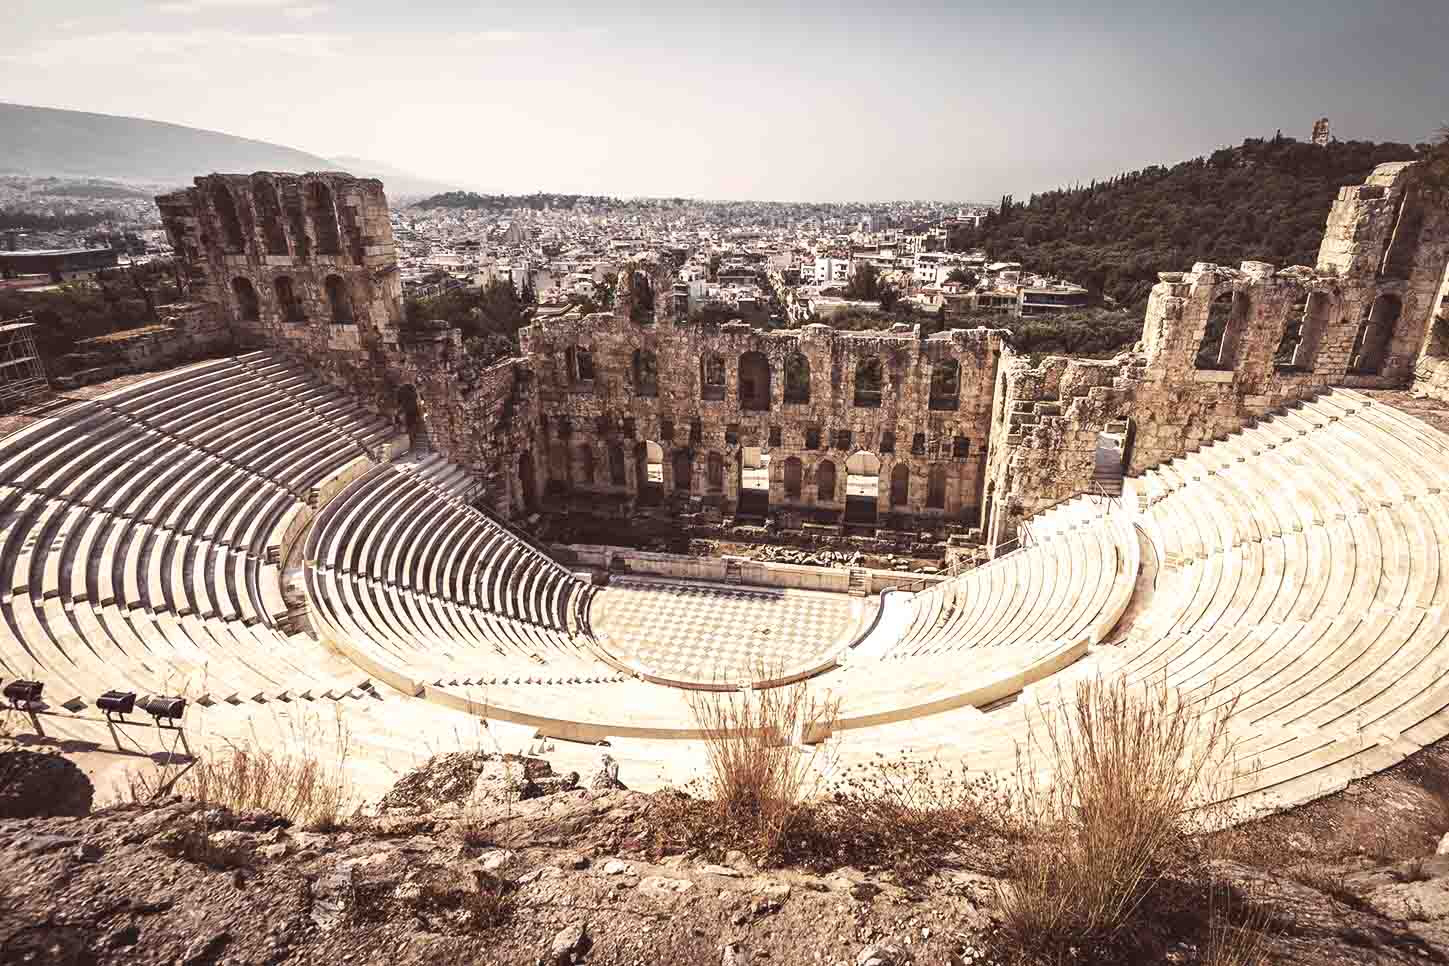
(819,103)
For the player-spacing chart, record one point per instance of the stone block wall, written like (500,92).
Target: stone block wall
(720,390)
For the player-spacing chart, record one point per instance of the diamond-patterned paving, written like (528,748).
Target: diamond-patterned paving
(701,632)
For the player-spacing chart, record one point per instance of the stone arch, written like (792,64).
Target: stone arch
(825,482)
(797,378)
(641,298)
(683,465)
(1227,316)
(650,472)
(248,307)
(1375,335)
(411,412)
(646,373)
(288,305)
(269,214)
(936,487)
(226,217)
(868,382)
(790,474)
(862,487)
(946,385)
(322,212)
(1303,332)
(754,377)
(338,300)
(900,485)
(714,473)
(712,376)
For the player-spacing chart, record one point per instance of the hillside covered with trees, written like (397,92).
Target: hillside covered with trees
(1264,200)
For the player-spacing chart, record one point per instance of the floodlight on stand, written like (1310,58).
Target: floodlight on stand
(117,703)
(161,707)
(21,694)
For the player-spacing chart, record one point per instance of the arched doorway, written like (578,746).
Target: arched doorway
(411,413)
(338,300)
(248,308)
(650,469)
(683,470)
(754,479)
(900,486)
(862,487)
(791,474)
(754,378)
(825,482)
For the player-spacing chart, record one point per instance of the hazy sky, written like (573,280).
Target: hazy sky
(811,101)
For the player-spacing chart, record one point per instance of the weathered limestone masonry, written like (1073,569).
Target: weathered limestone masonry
(305,265)
(1222,346)
(906,420)
(643,409)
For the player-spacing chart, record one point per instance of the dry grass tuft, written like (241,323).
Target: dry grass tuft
(304,781)
(759,777)
(1106,790)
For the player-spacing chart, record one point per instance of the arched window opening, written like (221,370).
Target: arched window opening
(1375,336)
(581,364)
(226,216)
(339,301)
(900,485)
(714,473)
(646,373)
(322,212)
(797,378)
(683,471)
(1302,332)
(248,308)
(641,299)
(936,488)
(617,473)
(868,383)
(712,376)
(585,462)
(862,487)
(825,482)
(791,474)
(1227,315)
(287,303)
(650,472)
(946,385)
(754,382)
(269,213)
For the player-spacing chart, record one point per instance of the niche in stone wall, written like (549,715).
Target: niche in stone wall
(339,301)
(1227,315)
(754,376)
(248,308)
(226,217)
(945,385)
(712,376)
(868,382)
(269,214)
(322,212)
(1404,242)
(646,373)
(1375,335)
(1303,332)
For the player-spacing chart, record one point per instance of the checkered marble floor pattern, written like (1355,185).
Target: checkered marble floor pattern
(711,633)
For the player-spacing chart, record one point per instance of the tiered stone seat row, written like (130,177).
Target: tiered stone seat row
(1304,593)
(1073,584)
(138,532)
(415,585)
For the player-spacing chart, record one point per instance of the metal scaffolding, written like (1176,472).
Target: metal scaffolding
(22,371)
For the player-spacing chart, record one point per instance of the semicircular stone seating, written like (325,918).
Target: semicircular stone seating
(1290,573)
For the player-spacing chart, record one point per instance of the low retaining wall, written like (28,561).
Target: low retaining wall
(737,570)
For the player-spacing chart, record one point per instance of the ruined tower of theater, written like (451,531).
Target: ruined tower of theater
(644,411)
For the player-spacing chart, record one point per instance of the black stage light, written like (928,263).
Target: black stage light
(159,706)
(117,702)
(23,693)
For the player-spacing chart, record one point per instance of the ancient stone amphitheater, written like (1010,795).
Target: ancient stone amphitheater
(257,533)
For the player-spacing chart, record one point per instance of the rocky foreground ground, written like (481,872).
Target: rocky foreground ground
(456,867)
